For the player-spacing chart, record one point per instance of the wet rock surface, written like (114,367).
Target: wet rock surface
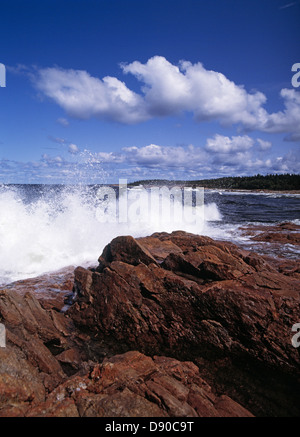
(274,239)
(284,233)
(52,289)
(166,325)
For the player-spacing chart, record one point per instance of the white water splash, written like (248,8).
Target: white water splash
(62,229)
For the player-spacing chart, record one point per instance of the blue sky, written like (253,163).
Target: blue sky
(175,89)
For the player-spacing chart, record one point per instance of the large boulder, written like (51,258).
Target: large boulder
(200,298)
(229,310)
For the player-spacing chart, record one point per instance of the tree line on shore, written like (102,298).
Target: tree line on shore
(276,182)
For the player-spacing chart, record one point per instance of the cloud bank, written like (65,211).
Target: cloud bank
(218,157)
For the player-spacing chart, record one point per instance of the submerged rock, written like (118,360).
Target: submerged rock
(283,233)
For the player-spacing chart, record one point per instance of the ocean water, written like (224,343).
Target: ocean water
(44,228)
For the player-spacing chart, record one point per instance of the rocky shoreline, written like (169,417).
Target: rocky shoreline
(170,325)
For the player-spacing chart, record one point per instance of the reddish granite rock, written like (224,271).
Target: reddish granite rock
(134,385)
(283,233)
(33,383)
(200,300)
(51,289)
(204,298)
(42,350)
(228,311)
(279,237)
(126,249)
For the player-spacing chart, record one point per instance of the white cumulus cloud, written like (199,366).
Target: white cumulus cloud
(163,156)
(83,96)
(168,90)
(223,144)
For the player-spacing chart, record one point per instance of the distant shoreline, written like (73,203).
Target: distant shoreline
(231,190)
(273,183)
(262,190)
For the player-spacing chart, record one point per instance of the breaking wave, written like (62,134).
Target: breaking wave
(46,228)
